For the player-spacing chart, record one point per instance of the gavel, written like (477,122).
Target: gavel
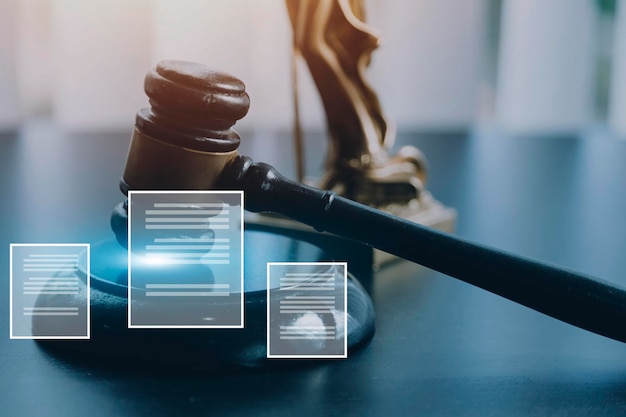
(185,141)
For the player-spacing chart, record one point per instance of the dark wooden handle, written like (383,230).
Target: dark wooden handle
(574,298)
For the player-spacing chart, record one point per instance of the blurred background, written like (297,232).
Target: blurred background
(524,66)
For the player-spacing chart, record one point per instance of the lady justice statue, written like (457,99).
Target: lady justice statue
(336,44)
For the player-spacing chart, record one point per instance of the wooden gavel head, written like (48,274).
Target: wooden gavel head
(185,139)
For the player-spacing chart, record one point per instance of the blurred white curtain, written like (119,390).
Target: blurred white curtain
(34,56)
(426,72)
(85,60)
(101,50)
(9,101)
(617,109)
(546,68)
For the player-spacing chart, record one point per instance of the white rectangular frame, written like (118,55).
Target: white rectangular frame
(88,284)
(345,316)
(207,326)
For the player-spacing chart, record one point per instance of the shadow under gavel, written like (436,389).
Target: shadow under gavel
(185,141)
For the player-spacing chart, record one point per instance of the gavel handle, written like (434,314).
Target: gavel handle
(574,298)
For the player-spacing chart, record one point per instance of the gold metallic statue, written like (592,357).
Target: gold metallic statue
(336,44)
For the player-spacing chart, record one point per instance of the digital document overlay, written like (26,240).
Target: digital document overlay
(307,310)
(185,259)
(48,297)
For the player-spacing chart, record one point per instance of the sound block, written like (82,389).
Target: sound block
(112,342)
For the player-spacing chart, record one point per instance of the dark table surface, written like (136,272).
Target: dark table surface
(442,347)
